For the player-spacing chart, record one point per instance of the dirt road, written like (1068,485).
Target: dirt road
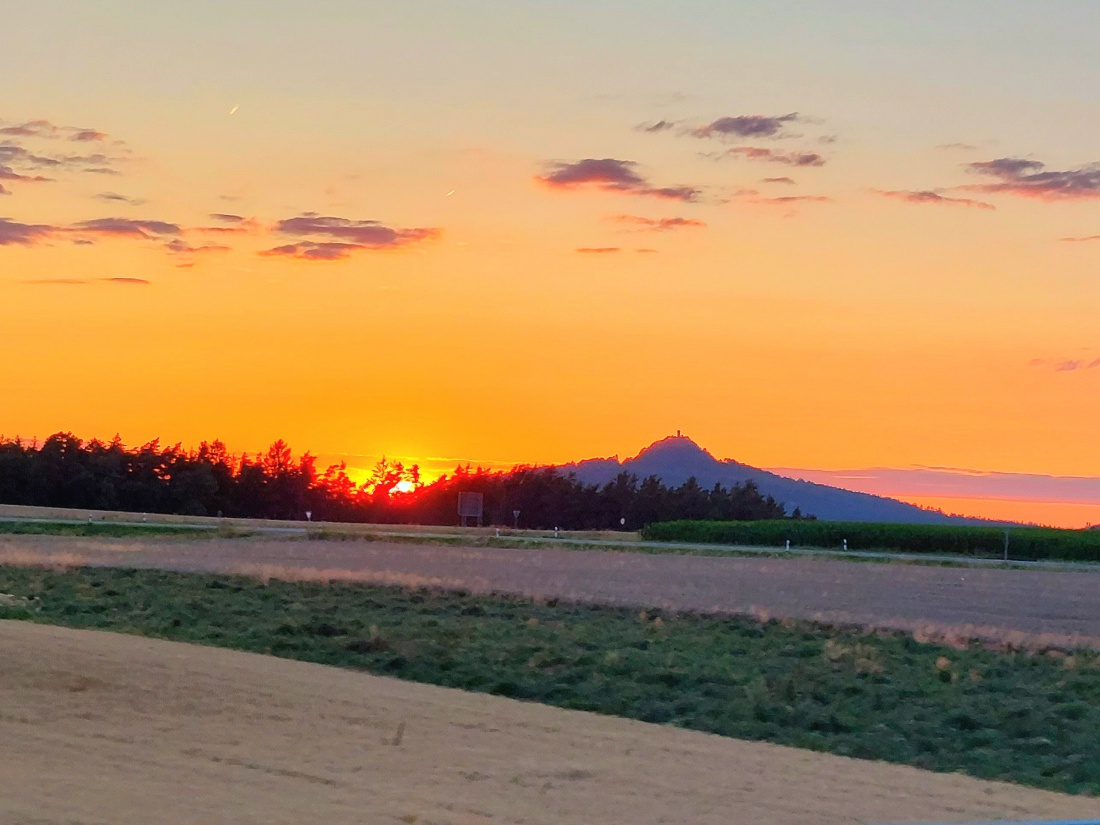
(104,728)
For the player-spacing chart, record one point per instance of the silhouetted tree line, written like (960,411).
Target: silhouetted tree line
(64,471)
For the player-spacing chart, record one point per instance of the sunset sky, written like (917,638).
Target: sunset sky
(815,236)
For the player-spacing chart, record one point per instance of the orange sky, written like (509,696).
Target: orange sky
(905,300)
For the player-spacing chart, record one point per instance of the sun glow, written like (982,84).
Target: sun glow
(403,487)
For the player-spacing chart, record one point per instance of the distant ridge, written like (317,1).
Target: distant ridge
(677,458)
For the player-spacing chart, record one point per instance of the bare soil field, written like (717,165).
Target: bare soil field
(105,728)
(1021,607)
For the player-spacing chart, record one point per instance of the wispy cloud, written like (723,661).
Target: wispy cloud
(11,153)
(46,130)
(656,224)
(89,232)
(31,128)
(957,147)
(598,250)
(85,135)
(234,225)
(611,175)
(126,227)
(350,236)
(784,180)
(746,126)
(929,196)
(182,247)
(363,233)
(48,154)
(754,196)
(1031,179)
(24,234)
(656,126)
(762,153)
(1081,239)
(1065,364)
(313,250)
(82,281)
(9,174)
(114,197)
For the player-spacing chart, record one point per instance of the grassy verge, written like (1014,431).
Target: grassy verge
(1027,718)
(103,529)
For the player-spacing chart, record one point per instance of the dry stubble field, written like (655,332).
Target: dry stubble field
(100,728)
(103,728)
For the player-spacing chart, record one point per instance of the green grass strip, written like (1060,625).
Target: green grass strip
(103,529)
(1023,717)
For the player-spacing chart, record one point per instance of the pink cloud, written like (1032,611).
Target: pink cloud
(928,196)
(25,234)
(9,174)
(657,224)
(126,227)
(761,153)
(314,251)
(754,196)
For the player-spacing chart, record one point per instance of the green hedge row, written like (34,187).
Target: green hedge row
(1024,543)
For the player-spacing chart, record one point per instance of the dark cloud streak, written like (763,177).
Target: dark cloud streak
(611,175)
(351,236)
(746,126)
(1031,179)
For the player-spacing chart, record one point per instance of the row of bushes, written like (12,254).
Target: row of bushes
(1024,543)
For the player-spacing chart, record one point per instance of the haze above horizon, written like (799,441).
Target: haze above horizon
(832,238)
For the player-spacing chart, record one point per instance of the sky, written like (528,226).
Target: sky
(854,238)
